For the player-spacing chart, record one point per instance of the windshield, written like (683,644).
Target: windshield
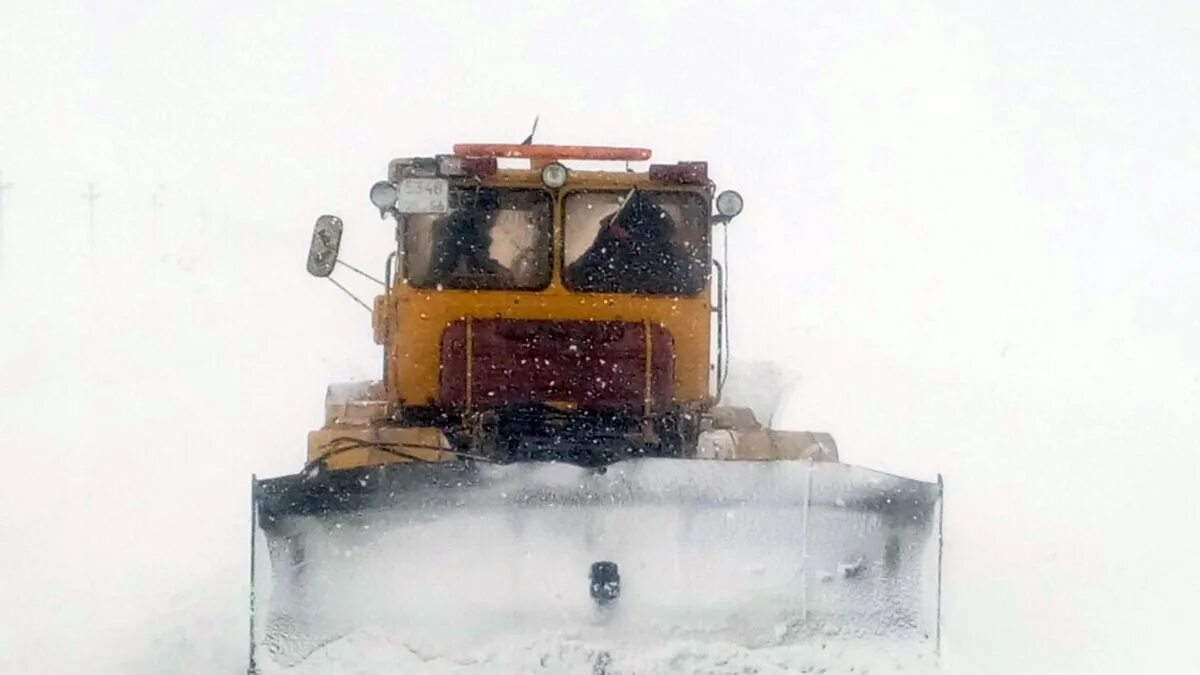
(491,239)
(639,242)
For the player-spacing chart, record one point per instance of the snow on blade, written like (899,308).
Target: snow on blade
(376,651)
(750,555)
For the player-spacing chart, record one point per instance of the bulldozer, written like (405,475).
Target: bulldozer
(547,444)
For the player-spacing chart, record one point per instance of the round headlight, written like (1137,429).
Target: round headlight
(554,175)
(729,203)
(383,195)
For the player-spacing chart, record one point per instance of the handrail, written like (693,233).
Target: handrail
(719,308)
(387,293)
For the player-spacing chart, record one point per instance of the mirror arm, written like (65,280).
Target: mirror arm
(347,292)
(361,273)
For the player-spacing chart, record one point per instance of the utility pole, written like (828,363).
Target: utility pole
(91,198)
(4,187)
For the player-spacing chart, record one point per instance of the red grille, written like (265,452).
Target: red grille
(595,365)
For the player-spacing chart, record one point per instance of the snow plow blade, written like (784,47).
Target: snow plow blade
(449,555)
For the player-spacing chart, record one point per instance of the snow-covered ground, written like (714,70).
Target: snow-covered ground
(970,246)
(135,412)
(141,478)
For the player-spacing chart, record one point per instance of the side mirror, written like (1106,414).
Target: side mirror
(323,251)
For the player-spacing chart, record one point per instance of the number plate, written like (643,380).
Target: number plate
(424,195)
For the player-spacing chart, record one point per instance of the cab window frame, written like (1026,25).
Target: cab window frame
(547,231)
(703,256)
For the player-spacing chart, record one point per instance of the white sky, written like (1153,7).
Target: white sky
(970,231)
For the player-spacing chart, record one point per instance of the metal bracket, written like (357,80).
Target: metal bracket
(252,669)
(940,542)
